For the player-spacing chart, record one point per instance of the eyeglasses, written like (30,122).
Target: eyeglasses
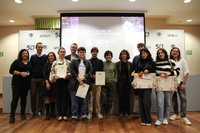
(160,53)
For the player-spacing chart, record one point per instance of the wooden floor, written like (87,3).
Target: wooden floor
(115,124)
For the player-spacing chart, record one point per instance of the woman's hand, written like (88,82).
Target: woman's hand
(163,75)
(23,74)
(146,71)
(167,74)
(48,86)
(182,87)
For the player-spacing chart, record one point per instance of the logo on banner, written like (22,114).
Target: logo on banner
(147,34)
(172,35)
(45,47)
(57,34)
(55,47)
(30,35)
(44,35)
(158,46)
(159,34)
(148,47)
(32,47)
(173,45)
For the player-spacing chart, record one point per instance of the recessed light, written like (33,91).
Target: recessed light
(75,0)
(187,1)
(12,21)
(132,0)
(18,1)
(189,20)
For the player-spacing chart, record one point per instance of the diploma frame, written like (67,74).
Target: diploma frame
(100,78)
(166,84)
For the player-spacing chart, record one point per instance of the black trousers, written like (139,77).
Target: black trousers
(61,91)
(18,92)
(145,105)
(124,88)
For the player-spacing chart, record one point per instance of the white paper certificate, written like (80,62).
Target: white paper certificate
(61,71)
(100,78)
(82,90)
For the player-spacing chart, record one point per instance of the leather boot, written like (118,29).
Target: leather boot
(47,105)
(53,115)
(12,118)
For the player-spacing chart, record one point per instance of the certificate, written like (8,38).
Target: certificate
(100,78)
(82,90)
(61,71)
(166,84)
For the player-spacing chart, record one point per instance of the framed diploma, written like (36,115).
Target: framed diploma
(144,81)
(62,71)
(82,90)
(100,78)
(166,84)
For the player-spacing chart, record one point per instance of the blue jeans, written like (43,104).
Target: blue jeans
(75,102)
(163,99)
(183,100)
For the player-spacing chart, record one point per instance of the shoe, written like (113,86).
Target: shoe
(60,118)
(53,115)
(165,122)
(23,117)
(174,117)
(185,121)
(121,114)
(143,124)
(148,124)
(39,115)
(65,118)
(126,115)
(89,116)
(135,114)
(47,117)
(12,119)
(99,115)
(85,120)
(157,123)
(74,120)
(32,115)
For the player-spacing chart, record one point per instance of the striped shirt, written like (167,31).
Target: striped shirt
(164,67)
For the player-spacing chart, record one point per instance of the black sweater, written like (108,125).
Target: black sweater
(145,64)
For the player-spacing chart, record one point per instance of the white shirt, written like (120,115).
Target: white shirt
(81,69)
(182,64)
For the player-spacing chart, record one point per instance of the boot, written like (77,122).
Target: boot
(47,105)
(12,118)
(53,115)
(108,110)
(104,110)
(23,116)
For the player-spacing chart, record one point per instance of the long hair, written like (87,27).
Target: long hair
(20,54)
(165,52)
(48,56)
(149,58)
(179,56)
(127,53)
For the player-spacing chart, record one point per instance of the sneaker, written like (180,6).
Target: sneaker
(165,122)
(39,115)
(143,124)
(185,121)
(32,115)
(157,123)
(126,115)
(89,116)
(121,114)
(48,117)
(148,124)
(85,120)
(174,117)
(74,120)
(99,115)
(135,114)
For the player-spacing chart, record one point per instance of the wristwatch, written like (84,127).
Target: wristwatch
(183,82)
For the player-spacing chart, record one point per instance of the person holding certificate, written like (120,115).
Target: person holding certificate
(60,73)
(124,68)
(108,90)
(145,66)
(175,54)
(164,68)
(81,71)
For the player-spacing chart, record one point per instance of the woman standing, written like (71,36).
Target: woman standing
(175,54)
(164,69)
(20,69)
(145,65)
(124,68)
(61,83)
(49,92)
(108,89)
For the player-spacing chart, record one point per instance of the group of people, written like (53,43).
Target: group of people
(40,75)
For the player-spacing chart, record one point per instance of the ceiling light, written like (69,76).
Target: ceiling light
(75,0)
(132,0)
(189,20)
(187,1)
(12,21)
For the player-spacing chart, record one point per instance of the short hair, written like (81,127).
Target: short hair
(60,49)
(81,49)
(127,53)
(94,48)
(20,54)
(74,44)
(107,53)
(38,44)
(165,52)
(141,45)
(149,58)
(53,55)
(179,56)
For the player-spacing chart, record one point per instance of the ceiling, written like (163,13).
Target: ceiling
(175,11)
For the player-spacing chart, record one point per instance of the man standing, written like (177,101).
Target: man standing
(140,46)
(73,54)
(97,65)
(37,82)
